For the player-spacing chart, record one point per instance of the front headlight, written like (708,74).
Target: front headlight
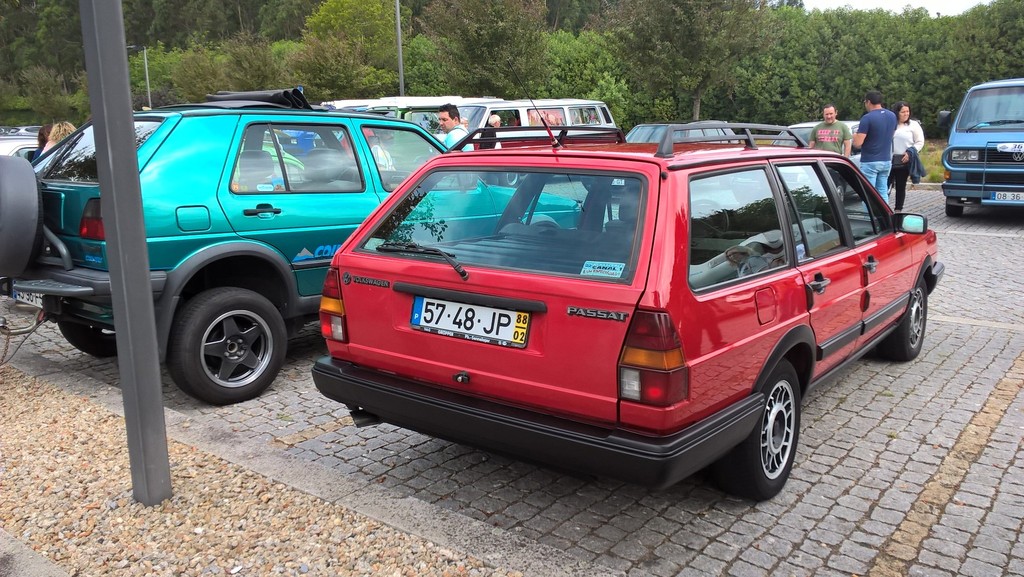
(963,155)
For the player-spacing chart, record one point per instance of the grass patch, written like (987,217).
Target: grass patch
(931,156)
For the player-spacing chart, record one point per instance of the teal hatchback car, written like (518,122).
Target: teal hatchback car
(245,200)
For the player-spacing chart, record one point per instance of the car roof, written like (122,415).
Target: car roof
(748,141)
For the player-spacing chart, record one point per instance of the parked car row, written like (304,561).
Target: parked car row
(640,310)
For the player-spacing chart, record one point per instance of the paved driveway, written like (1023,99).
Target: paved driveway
(903,469)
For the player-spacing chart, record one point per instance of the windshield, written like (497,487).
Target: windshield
(566,223)
(993,109)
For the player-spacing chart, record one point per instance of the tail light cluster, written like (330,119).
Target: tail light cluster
(652,369)
(91,225)
(332,309)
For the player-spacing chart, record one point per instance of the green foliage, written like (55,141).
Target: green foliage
(199,72)
(366,28)
(424,73)
(249,64)
(284,19)
(683,48)
(479,39)
(585,66)
(328,70)
(45,91)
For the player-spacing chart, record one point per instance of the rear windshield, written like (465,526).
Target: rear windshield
(564,223)
(75,160)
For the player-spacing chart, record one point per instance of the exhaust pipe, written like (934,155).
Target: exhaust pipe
(362,418)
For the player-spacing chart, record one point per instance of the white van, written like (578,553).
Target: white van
(557,111)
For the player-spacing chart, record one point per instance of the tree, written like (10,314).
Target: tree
(478,40)
(250,64)
(686,47)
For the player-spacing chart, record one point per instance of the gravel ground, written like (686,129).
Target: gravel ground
(65,490)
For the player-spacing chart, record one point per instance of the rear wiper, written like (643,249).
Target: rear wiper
(420,249)
(995,123)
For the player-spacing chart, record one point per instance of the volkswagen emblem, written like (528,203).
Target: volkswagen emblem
(1018,156)
(346,278)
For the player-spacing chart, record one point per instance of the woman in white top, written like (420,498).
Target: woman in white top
(909,134)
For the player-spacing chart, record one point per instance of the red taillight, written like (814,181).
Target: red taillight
(91,225)
(332,309)
(652,369)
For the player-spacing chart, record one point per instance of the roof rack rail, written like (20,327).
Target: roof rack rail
(742,132)
(286,98)
(535,135)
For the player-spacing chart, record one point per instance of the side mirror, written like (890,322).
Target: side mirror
(944,119)
(910,223)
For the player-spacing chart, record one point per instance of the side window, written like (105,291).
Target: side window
(735,228)
(397,152)
(584,115)
(553,116)
(75,160)
(863,209)
(816,227)
(509,117)
(296,158)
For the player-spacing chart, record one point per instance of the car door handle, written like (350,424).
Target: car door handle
(871,265)
(819,283)
(261,209)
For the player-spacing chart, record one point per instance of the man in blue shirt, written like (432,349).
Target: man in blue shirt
(451,123)
(874,137)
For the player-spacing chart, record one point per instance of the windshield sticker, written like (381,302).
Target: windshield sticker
(265,187)
(603,269)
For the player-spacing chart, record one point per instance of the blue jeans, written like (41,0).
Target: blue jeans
(877,173)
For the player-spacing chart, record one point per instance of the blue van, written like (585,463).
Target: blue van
(984,158)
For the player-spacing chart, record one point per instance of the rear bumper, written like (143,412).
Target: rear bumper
(78,293)
(652,461)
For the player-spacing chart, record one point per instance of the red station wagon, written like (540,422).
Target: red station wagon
(639,311)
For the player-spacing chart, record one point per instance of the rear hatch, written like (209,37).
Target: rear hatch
(517,293)
(71,193)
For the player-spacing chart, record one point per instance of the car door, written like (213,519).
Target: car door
(887,267)
(831,271)
(299,187)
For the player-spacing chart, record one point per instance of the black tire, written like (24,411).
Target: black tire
(226,345)
(95,341)
(954,210)
(759,467)
(21,215)
(904,343)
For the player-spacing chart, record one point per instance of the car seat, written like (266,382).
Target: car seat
(256,170)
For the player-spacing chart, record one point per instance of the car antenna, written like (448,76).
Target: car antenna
(554,141)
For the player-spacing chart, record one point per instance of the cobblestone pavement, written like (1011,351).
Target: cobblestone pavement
(903,469)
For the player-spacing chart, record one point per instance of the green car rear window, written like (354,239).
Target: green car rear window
(576,224)
(77,161)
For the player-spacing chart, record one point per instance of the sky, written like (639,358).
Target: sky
(934,7)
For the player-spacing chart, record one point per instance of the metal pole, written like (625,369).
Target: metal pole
(398,35)
(145,64)
(106,64)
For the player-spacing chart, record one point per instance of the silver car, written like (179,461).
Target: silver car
(23,146)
